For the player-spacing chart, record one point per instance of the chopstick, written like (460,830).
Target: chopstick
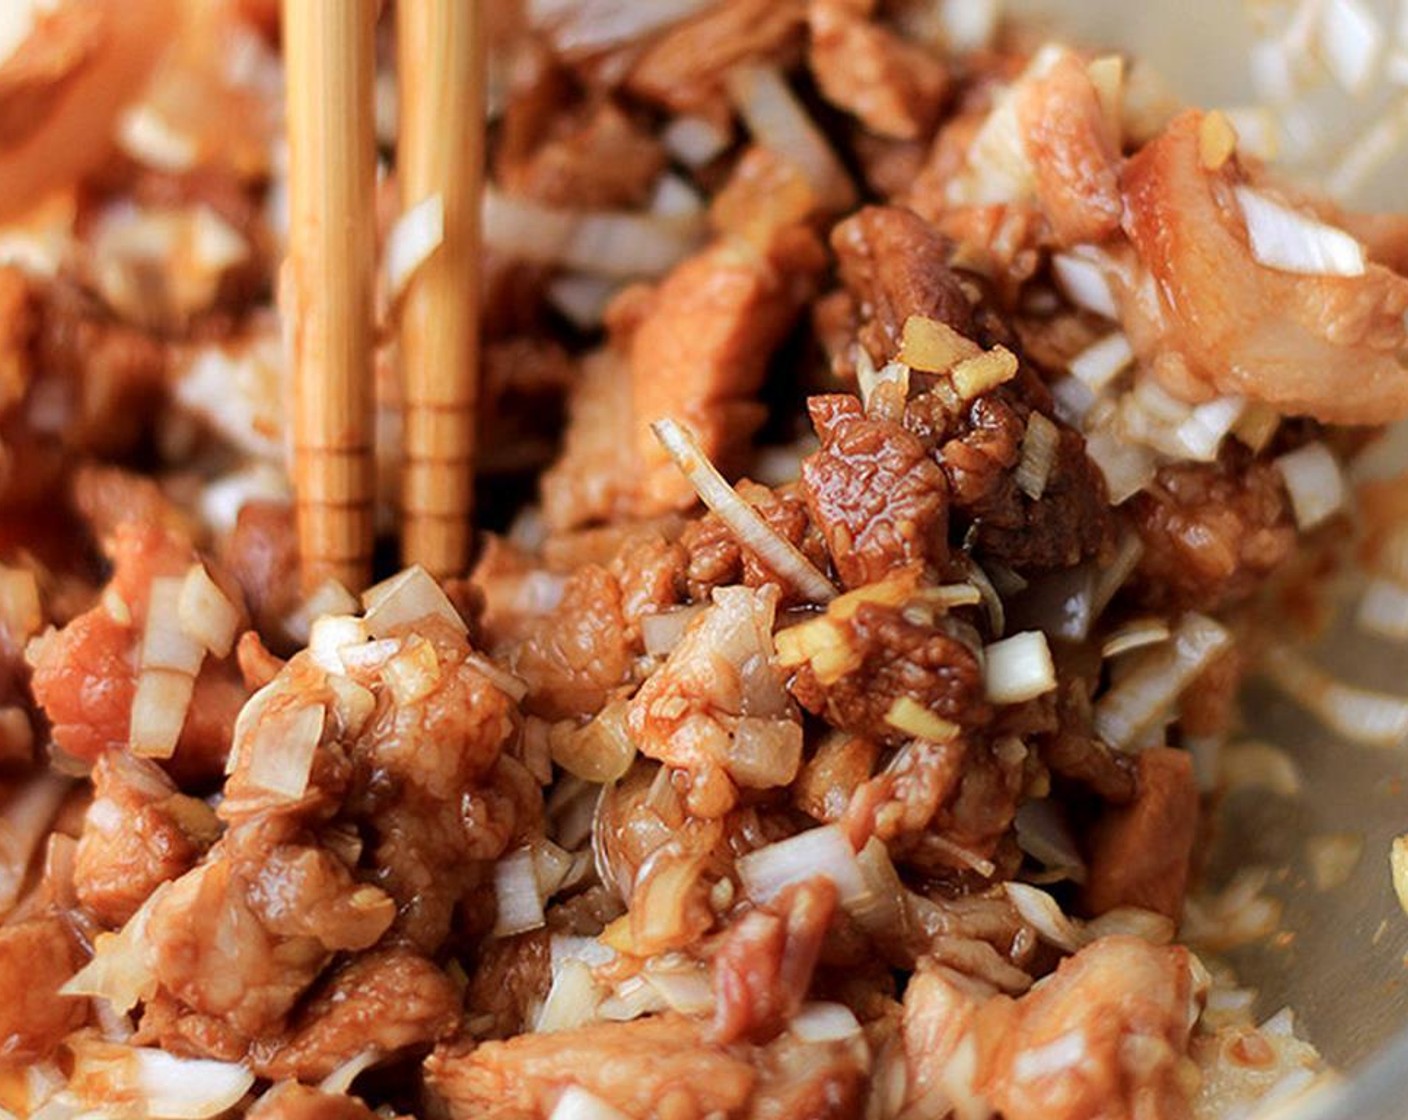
(440,151)
(330,58)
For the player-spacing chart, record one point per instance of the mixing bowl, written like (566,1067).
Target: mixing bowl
(1341,959)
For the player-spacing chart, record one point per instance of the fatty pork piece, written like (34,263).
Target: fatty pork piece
(695,349)
(368,802)
(1218,320)
(662,1066)
(1107,1034)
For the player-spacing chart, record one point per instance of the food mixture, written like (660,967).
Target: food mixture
(897,432)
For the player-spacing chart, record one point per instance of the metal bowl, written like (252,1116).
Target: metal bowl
(1341,962)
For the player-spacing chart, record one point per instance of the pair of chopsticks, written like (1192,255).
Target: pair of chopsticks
(329,48)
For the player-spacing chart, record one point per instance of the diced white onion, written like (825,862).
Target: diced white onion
(823,852)
(331,634)
(1257,131)
(777,120)
(673,197)
(1018,668)
(1101,362)
(775,550)
(1133,706)
(1289,241)
(413,239)
(405,598)
(1350,42)
(281,747)
(764,753)
(143,135)
(1039,910)
(694,141)
(222,500)
(215,244)
(206,613)
(515,688)
(1200,436)
(24,822)
(519,906)
(969,25)
(1073,400)
(1383,609)
(591,26)
(1085,281)
(414,673)
(571,1000)
(152,1083)
(1112,577)
(159,707)
(164,644)
(188,1088)
(819,1021)
(685,986)
(605,243)
(661,632)
(578,1104)
(1038,456)
(1372,718)
(1133,635)
(1127,467)
(1314,482)
(1043,834)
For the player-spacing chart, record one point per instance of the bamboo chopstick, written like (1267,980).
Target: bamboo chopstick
(330,55)
(440,151)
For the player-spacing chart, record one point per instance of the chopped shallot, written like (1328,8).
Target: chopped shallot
(777,120)
(780,554)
